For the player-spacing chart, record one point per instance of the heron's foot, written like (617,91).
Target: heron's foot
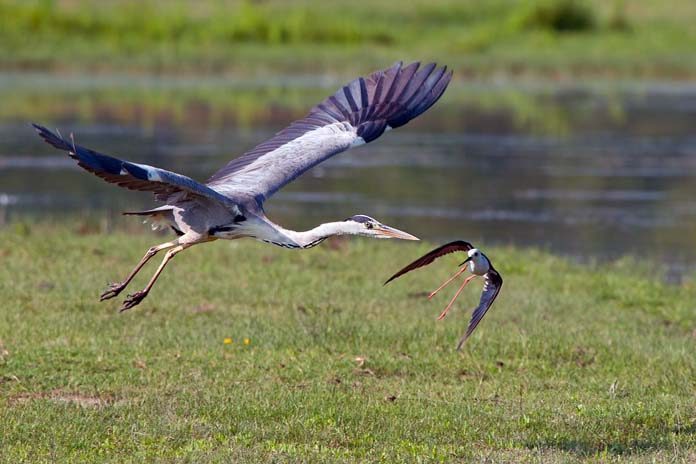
(112,290)
(133,300)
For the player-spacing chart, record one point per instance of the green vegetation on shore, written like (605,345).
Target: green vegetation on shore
(242,104)
(571,364)
(553,38)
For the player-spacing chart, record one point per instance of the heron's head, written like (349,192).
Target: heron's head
(370,227)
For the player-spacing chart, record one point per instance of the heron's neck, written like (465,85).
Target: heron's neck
(313,237)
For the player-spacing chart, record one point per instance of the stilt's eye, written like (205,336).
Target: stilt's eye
(369,225)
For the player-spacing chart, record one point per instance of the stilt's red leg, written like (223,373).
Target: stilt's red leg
(457,274)
(444,313)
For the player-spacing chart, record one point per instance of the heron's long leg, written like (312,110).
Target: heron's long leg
(115,288)
(137,297)
(457,274)
(444,313)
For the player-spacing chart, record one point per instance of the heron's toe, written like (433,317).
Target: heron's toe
(133,300)
(111,291)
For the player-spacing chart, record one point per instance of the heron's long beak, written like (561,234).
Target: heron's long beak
(466,261)
(391,232)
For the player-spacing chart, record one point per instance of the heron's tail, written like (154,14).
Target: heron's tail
(159,218)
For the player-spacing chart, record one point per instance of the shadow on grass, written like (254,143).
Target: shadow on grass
(660,440)
(587,448)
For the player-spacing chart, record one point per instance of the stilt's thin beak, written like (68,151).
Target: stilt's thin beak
(466,261)
(390,232)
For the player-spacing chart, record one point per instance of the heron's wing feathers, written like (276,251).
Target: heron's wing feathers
(129,175)
(491,287)
(459,245)
(358,113)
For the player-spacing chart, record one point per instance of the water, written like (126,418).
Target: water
(594,172)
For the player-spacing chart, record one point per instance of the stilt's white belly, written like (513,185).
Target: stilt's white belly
(479,266)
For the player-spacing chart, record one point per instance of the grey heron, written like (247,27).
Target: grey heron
(229,205)
(478,265)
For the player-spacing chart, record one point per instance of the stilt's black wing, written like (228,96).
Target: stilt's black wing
(459,245)
(491,287)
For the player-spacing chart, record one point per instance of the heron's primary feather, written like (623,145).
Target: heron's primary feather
(356,114)
(129,175)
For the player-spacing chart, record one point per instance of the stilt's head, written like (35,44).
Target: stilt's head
(370,227)
(478,262)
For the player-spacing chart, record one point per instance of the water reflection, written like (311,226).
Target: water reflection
(597,172)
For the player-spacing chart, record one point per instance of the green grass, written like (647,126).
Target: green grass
(554,38)
(570,365)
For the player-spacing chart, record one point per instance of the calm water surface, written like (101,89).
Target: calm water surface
(594,172)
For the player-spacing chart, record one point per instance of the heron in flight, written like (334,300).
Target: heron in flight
(478,265)
(229,205)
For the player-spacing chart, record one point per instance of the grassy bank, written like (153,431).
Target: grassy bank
(322,362)
(555,38)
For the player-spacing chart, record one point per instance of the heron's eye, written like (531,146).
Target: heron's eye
(369,225)
(476,254)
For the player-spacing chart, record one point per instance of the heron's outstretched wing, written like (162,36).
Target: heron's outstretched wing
(358,113)
(459,245)
(129,175)
(491,287)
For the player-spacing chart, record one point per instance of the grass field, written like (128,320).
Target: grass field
(325,364)
(551,38)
